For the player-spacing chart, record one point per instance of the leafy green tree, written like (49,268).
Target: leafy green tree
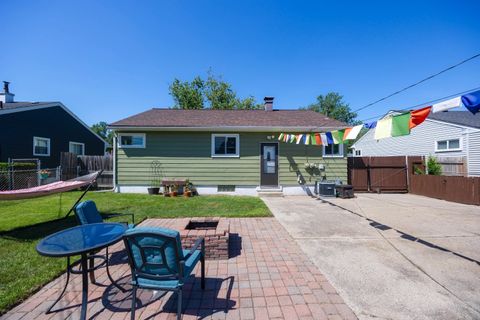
(188,95)
(219,93)
(216,92)
(333,106)
(102,130)
(248,103)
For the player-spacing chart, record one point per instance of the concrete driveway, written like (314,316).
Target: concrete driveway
(392,256)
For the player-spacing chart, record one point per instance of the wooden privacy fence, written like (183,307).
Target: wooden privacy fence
(380,174)
(397,174)
(456,189)
(73,166)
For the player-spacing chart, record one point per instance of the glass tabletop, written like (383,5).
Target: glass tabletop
(80,239)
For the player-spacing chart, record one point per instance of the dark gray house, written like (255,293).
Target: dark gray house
(41,130)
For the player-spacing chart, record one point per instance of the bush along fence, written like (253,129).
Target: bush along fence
(415,174)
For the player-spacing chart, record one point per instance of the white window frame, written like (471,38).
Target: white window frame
(340,150)
(70,143)
(48,147)
(359,152)
(460,145)
(119,140)
(226,135)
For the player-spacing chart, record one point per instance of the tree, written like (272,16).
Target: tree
(333,106)
(188,95)
(102,130)
(218,93)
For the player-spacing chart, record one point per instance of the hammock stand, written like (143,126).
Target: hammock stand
(54,188)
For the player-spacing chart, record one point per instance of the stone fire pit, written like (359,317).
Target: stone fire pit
(216,232)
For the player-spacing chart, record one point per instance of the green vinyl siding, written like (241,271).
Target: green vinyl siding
(188,155)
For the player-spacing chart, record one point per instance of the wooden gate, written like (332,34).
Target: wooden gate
(380,174)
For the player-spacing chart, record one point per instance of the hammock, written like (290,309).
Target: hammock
(53,188)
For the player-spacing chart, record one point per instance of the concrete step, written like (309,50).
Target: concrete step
(270,194)
(270,191)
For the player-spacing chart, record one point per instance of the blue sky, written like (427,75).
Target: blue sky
(107,60)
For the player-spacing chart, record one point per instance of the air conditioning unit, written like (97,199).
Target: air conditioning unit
(325,188)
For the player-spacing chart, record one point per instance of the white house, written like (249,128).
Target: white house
(443,134)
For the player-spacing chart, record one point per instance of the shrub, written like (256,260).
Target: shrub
(434,168)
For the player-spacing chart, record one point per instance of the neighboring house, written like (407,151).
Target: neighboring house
(443,134)
(41,130)
(219,150)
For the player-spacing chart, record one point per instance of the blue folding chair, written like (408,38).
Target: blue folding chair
(87,213)
(158,261)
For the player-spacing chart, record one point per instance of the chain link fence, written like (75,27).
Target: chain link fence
(13,178)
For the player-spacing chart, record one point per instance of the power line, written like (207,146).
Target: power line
(418,82)
(427,103)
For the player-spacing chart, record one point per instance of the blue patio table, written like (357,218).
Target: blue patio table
(81,240)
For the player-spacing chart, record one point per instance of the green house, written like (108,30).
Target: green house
(234,151)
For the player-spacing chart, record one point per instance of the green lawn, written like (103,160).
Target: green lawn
(23,223)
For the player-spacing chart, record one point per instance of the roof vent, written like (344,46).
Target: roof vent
(268,103)
(6,96)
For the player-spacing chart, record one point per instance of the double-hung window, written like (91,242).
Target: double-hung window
(225,145)
(333,150)
(448,145)
(77,148)
(131,140)
(41,146)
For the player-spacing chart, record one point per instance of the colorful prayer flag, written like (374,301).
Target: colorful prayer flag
(352,133)
(312,139)
(318,139)
(329,138)
(418,116)
(299,138)
(401,125)
(280,137)
(370,125)
(324,139)
(292,138)
(337,136)
(471,101)
(307,138)
(447,105)
(384,128)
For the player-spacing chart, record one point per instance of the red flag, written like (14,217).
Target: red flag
(418,116)
(318,140)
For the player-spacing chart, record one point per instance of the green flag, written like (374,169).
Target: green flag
(401,125)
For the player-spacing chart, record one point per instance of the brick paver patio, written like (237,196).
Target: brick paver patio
(266,277)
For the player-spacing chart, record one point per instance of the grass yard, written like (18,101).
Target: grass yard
(23,223)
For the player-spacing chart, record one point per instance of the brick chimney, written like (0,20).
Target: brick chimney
(6,96)
(268,103)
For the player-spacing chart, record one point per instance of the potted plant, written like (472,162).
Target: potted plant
(187,190)
(155,187)
(173,190)
(44,174)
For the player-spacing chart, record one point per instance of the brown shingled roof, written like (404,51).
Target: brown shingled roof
(229,118)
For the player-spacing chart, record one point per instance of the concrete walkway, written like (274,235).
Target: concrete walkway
(393,256)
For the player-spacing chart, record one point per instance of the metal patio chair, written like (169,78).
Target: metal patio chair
(86,212)
(158,262)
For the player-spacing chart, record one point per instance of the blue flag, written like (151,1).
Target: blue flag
(471,101)
(329,137)
(370,125)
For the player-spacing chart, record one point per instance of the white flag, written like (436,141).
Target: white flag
(447,105)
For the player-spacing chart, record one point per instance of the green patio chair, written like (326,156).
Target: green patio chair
(158,262)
